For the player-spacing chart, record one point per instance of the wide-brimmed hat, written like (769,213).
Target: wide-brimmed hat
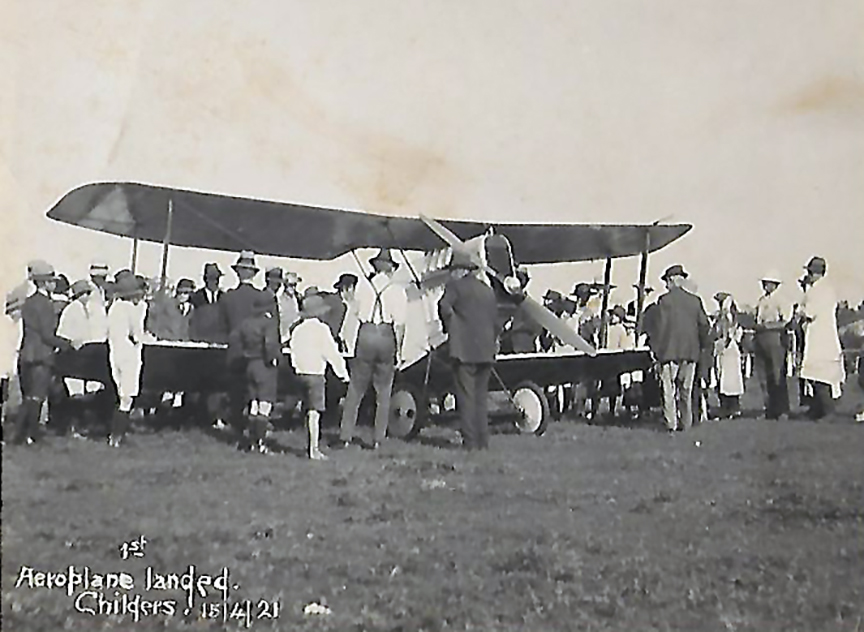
(619,311)
(98,268)
(461,261)
(80,288)
(582,289)
(772,276)
(552,295)
(817,265)
(39,270)
(128,286)
(346,280)
(384,256)
(211,271)
(62,286)
(275,273)
(673,271)
(246,261)
(186,285)
(721,296)
(313,304)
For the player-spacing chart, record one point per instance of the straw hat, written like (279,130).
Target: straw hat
(39,270)
(80,288)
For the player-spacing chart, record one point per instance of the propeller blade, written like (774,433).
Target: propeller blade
(536,311)
(449,237)
(556,326)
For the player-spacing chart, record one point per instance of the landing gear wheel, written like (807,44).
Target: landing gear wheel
(533,409)
(407,411)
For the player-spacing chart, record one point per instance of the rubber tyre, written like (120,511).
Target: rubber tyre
(534,414)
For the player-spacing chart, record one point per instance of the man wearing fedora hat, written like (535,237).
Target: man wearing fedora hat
(382,311)
(822,365)
(169,317)
(770,347)
(39,344)
(312,349)
(126,335)
(677,331)
(469,312)
(205,321)
(76,325)
(342,317)
(235,306)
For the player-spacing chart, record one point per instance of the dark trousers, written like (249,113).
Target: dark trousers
(237,393)
(374,361)
(36,380)
(770,364)
(472,389)
(822,403)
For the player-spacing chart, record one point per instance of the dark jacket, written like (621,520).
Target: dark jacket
(205,323)
(336,316)
(256,339)
(40,340)
(677,327)
(235,306)
(469,312)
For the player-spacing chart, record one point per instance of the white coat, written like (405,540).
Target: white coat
(125,338)
(823,355)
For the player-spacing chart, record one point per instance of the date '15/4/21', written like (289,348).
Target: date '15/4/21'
(244,612)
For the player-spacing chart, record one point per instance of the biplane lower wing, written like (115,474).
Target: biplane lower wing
(544,369)
(221,222)
(175,367)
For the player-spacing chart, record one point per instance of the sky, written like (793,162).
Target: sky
(745,119)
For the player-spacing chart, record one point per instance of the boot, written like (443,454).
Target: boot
(26,420)
(258,425)
(119,427)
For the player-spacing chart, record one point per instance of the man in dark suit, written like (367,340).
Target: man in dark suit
(204,322)
(339,302)
(235,306)
(678,331)
(38,347)
(469,312)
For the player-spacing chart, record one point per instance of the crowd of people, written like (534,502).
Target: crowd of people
(358,330)
(361,325)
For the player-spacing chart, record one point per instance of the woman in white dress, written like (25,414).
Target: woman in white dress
(729,334)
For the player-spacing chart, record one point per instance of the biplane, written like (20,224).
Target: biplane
(184,218)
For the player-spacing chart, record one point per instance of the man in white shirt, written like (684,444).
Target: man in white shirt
(283,288)
(382,310)
(312,349)
(98,302)
(770,348)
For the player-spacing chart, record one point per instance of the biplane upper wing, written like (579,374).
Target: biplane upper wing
(220,222)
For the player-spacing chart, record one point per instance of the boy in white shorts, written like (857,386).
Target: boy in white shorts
(312,348)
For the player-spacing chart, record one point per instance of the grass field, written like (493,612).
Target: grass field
(759,526)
